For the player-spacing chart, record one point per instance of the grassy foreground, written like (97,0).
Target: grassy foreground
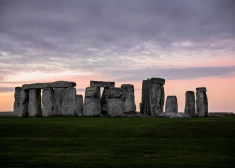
(117,142)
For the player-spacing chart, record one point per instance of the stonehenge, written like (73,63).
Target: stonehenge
(171,104)
(189,103)
(201,102)
(61,99)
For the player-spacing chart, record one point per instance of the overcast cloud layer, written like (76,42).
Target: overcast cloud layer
(124,40)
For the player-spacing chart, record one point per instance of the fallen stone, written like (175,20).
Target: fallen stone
(101,84)
(79,104)
(128,98)
(17,100)
(104,101)
(34,106)
(92,106)
(171,104)
(173,115)
(190,103)
(201,89)
(115,102)
(48,102)
(201,104)
(24,101)
(69,103)
(58,95)
(57,84)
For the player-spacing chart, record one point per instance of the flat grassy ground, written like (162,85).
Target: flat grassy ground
(117,142)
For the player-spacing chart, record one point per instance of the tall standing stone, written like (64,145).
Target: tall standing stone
(48,102)
(171,104)
(69,102)
(79,104)
(24,101)
(156,95)
(115,102)
(128,98)
(92,105)
(58,100)
(34,106)
(104,101)
(201,102)
(17,100)
(145,98)
(190,103)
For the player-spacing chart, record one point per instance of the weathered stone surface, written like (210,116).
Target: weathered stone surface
(48,102)
(79,104)
(190,103)
(173,115)
(58,94)
(201,104)
(104,101)
(92,105)
(171,104)
(34,106)
(201,89)
(160,81)
(115,102)
(145,98)
(155,98)
(17,100)
(101,84)
(57,84)
(128,98)
(69,103)
(24,101)
(162,98)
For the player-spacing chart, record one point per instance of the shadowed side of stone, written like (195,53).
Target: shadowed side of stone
(201,103)
(17,100)
(58,84)
(24,101)
(69,102)
(128,98)
(79,104)
(115,102)
(48,102)
(171,104)
(101,84)
(104,101)
(190,103)
(92,105)
(34,106)
(144,109)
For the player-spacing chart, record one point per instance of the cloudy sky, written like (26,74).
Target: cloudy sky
(190,43)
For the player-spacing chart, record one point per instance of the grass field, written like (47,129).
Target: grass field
(117,142)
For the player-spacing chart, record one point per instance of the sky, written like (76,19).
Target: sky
(189,43)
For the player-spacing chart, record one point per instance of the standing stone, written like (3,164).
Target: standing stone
(69,103)
(128,98)
(156,95)
(48,102)
(115,102)
(104,101)
(24,101)
(92,105)
(79,104)
(201,102)
(171,104)
(34,106)
(17,100)
(58,100)
(145,97)
(190,103)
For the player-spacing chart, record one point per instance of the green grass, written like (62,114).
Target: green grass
(117,142)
